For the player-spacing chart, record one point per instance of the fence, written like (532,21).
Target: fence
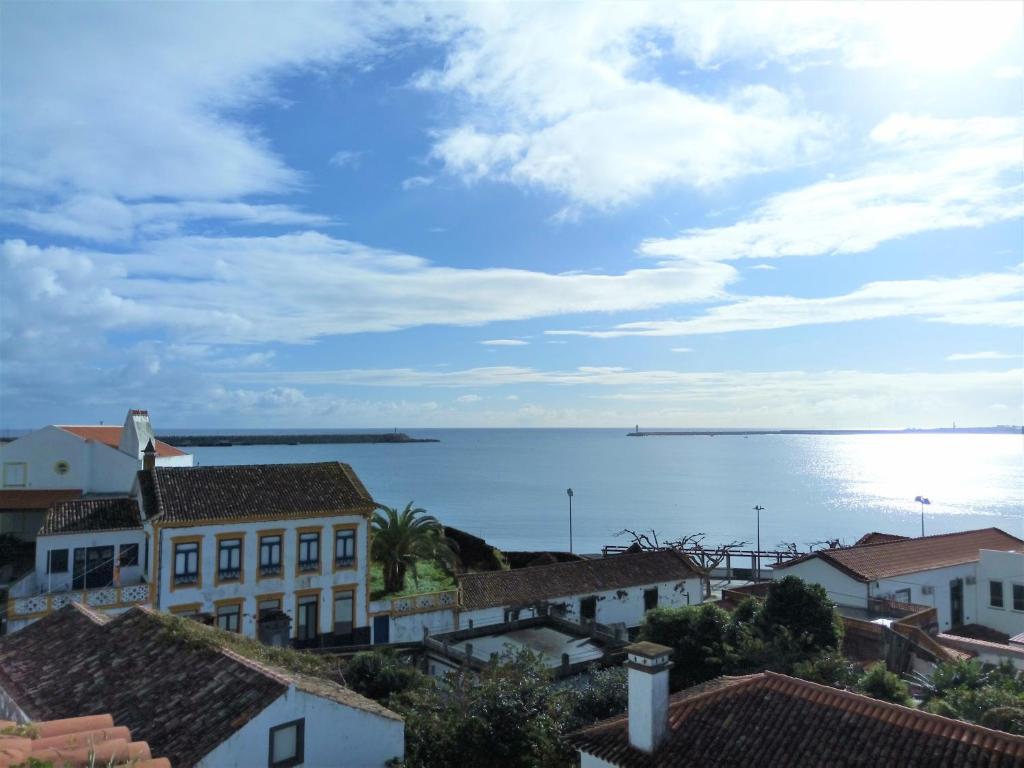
(20,608)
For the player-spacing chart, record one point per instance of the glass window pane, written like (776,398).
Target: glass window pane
(285,744)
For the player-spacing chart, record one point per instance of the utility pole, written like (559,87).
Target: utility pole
(568,492)
(758,509)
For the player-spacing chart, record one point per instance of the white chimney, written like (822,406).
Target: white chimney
(136,433)
(648,665)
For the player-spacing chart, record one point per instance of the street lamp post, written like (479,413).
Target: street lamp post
(922,501)
(757,558)
(568,492)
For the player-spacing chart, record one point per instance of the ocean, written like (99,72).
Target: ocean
(509,485)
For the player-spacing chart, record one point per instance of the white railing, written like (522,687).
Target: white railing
(103,598)
(426,601)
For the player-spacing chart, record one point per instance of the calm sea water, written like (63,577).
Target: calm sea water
(509,485)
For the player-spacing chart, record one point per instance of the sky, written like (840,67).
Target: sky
(803,215)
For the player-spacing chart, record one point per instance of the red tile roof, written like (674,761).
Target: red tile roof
(546,582)
(112,436)
(18,500)
(267,491)
(871,562)
(768,719)
(879,538)
(73,742)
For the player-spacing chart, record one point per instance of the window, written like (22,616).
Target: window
(128,554)
(229,617)
(268,605)
(344,548)
(344,612)
(650,599)
(286,744)
(15,473)
(1018,597)
(58,561)
(309,551)
(588,608)
(186,563)
(229,559)
(308,626)
(270,555)
(902,595)
(995,594)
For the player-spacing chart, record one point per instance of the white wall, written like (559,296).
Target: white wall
(252,585)
(615,606)
(589,761)
(937,580)
(841,588)
(409,628)
(61,582)
(1007,567)
(335,735)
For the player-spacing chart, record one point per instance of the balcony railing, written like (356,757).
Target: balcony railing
(102,598)
(184,579)
(344,562)
(229,574)
(426,601)
(270,570)
(306,566)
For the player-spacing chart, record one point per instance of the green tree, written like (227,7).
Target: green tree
(697,636)
(401,539)
(382,674)
(829,668)
(805,610)
(880,683)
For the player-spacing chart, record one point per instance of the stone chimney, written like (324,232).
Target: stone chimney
(648,665)
(149,456)
(136,433)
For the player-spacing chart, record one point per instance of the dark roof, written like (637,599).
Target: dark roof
(771,719)
(83,515)
(183,695)
(870,562)
(526,585)
(879,538)
(266,491)
(24,500)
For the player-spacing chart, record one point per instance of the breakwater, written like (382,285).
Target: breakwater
(224,441)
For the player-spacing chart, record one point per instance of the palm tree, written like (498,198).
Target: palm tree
(400,539)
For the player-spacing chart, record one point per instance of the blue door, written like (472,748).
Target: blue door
(381,628)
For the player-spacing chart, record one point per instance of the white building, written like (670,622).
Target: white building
(238,543)
(190,694)
(941,571)
(1001,590)
(61,462)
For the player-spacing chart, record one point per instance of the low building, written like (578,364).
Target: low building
(1001,590)
(70,461)
(74,741)
(239,543)
(194,694)
(939,571)
(772,719)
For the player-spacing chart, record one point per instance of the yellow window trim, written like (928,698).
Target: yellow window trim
(228,603)
(354,527)
(240,536)
(186,608)
(351,589)
(260,535)
(175,541)
(318,530)
(301,593)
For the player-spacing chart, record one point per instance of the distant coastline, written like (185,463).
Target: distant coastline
(1000,430)
(225,441)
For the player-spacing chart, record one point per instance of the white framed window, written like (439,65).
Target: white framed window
(344,548)
(287,744)
(229,617)
(344,612)
(309,551)
(15,474)
(270,555)
(186,563)
(229,559)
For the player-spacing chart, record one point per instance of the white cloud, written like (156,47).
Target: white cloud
(417,182)
(983,356)
(505,343)
(986,299)
(933,174)
(682,349)
(766,267)
(468,399)
(346,158)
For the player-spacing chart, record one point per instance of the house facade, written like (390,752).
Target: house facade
(938,571)
(1001,590)
(237,544)
(191,693)
(62,462)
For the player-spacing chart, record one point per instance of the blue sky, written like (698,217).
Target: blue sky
(368,215)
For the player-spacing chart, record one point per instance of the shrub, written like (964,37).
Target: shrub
(1009,719)
(604,694)
(381,674)
(696,635)
(827,669)
(880,683)
(805,610)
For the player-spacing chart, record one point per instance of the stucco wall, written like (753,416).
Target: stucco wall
(252,585)
(1007,567)
(938,581)
(60,582)
(335,735)
(841,588)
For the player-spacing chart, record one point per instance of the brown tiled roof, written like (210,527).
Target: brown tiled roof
(269,491)
(75,741)
(775,720)
(871,562)
(113,514)
(182,692)
(112,436)
(879,538)
(19,500)
(546,582)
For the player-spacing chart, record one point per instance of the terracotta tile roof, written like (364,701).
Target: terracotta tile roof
(546,582)
(73,742)
(879,538)
(871,562)
(112,436)
(775,720)
(19,500)
(182,692)
(270,491)
(111,514)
